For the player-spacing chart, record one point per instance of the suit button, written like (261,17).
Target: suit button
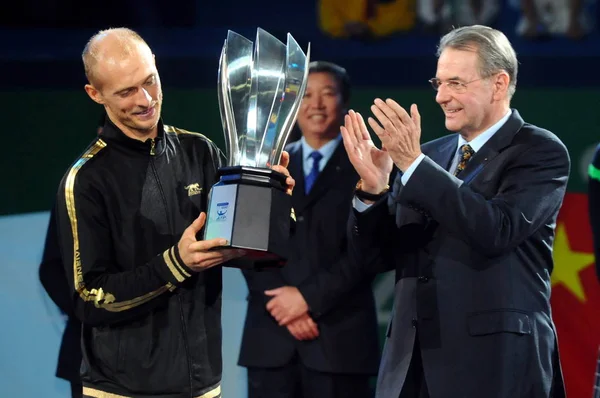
(414,322)
(300,218)
(423,279)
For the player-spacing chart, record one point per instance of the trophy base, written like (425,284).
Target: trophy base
(250,208)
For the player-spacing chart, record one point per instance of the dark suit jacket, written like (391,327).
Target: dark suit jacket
(473,257)
(345,313)
(54,280)
(594,205)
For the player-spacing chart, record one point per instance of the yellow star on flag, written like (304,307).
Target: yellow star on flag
(568,264)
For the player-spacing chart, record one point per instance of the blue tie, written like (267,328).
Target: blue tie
(314,172)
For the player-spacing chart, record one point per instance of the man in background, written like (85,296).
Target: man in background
(53,279)
(330,350)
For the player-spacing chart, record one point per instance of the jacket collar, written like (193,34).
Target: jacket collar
(114,135)
(500,140)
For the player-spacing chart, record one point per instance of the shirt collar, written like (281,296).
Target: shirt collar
(478,142)
(326,150)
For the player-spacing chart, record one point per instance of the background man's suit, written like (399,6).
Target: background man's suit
(594,213)
(347,322)
(594,204)
(472,257)
(53,279)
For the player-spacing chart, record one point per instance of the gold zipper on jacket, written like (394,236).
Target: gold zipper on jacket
(152,147)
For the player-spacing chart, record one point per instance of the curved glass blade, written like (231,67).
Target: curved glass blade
(238,58)
(267,74)
(296,76)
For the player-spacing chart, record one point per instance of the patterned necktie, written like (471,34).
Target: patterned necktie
(314,172)
(465,154)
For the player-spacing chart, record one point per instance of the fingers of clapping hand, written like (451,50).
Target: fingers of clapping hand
(388,122)
(355,134)
(352,125)
(384,125)
(386,116)
(360,129)
(415,115)
(348,131)
(349,138)
(391,116)
(364,133)
(380,131)
(397,113)
(350,146)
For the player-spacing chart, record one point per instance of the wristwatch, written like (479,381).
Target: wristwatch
(369,196)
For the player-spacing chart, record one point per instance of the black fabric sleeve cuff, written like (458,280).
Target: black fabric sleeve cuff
(173,269)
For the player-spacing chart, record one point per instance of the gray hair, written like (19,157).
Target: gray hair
(493,48)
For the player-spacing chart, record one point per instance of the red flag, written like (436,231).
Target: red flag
(576,296)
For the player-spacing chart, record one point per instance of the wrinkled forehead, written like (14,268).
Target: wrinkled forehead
(116,68)
(454,63)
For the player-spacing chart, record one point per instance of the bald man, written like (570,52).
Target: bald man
(147,291)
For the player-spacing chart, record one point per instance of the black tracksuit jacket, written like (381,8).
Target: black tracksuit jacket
(151,326)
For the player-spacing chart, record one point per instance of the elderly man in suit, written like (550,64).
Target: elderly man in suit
(328,348)
(468,225)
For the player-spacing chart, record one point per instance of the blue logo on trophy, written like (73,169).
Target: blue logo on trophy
(222,210)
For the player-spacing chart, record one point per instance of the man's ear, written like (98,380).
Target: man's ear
(501,85)
(94,94)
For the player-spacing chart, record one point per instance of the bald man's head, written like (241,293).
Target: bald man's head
(123,78)
(110,46)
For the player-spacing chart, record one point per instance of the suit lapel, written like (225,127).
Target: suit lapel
(445,153)
(297,172)
(295,166)
(492,147)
